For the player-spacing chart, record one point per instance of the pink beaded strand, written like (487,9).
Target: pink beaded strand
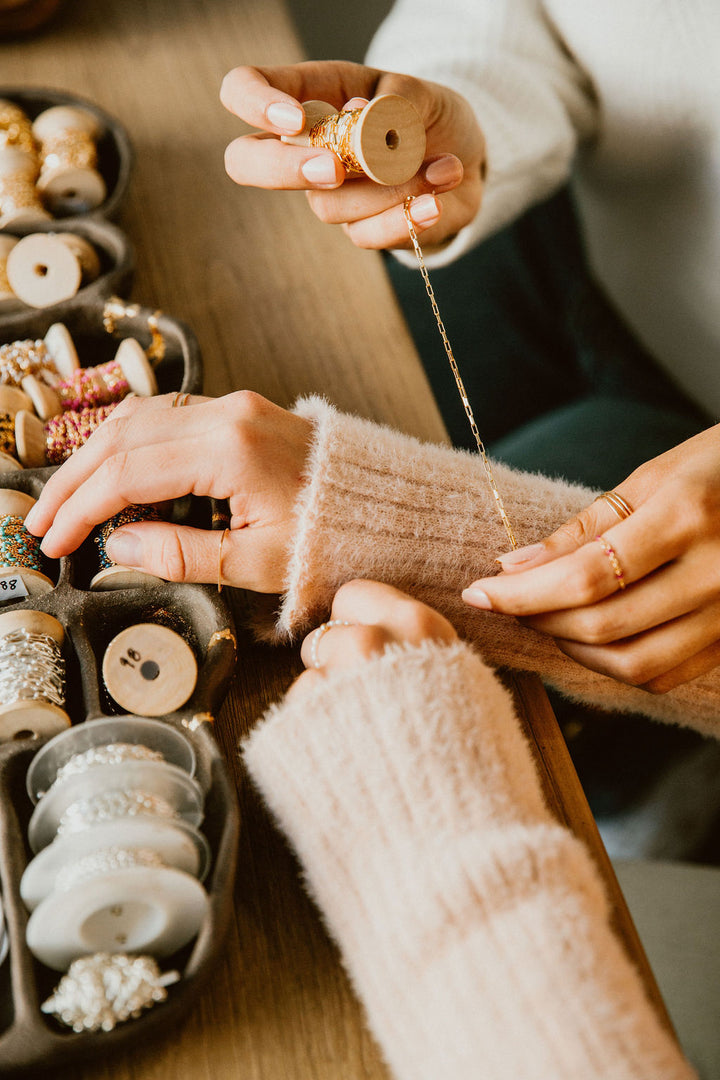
(89,388)
(67,433)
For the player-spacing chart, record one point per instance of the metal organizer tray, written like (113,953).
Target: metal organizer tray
(31,1042)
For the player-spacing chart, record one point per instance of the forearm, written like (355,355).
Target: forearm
(380,505)
(473,926)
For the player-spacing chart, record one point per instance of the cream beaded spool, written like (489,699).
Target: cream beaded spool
(129,372)
(149,668)
(50,358)
(385,139)
(31,675)
(20,556)
(69,181)
(46,268)
(20,203)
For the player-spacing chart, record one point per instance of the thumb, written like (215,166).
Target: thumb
(171,552)
(572,534)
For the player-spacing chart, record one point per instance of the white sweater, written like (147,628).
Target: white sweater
(623,94)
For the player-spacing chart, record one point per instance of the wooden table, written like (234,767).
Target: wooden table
(281,305)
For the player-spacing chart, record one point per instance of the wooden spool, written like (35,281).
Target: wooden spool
(388,138)
(149,669)
(122,577)
(133,362)
(18,504)
(66,187)
(31,719)
(43,270)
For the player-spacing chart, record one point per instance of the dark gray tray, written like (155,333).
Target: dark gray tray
(30,1042)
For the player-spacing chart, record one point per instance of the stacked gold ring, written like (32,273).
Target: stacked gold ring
(619,505)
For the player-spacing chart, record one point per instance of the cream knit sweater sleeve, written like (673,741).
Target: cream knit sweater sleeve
(474,927)
(532,100)
(381,505)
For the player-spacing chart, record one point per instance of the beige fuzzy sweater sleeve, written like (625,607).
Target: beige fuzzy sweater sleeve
(381,505)
(473,926)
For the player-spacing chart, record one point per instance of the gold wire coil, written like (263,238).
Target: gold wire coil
(67,149)
(336,133)
(16,128)
(18,192)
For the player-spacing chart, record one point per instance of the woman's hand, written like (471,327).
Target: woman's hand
(240,447)
(372,215)
(380,615)
(663,628)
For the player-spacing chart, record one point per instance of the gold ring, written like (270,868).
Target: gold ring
(614,561)
(179,400)
(223,534)
(619,505)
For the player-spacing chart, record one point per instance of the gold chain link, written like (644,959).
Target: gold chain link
(458,379)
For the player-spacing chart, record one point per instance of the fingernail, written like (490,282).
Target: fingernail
(125,547)
(424,210)
(520,555)
(288,118)
(477,598)
(446,170)
(320,170)
(29,519)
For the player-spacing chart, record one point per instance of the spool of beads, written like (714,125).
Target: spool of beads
(57,439)
(21,561)
(50,358)
(69,181)
(32,675)
(12,401)
(112,575)
(88,388)
(47,268)
(149,668)
(20,202)
(16,128)
(7,243)
(385,139)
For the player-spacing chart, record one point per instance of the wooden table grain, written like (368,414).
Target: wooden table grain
(283,305)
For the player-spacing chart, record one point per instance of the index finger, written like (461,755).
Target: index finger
(269,98)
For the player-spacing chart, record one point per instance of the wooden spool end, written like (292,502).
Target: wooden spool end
(135,366)
(35,622)
(36,583)
(8,463)
(12,400)
(30,440)
(32,720)
(389,140)
(149,669)
(15,503)
(314,112)
(62,349)
(42,270)
(41,397)
(123,577)
(72,190)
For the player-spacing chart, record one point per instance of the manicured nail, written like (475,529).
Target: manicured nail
(477,598)
(520,555)
(320,170)
(288,118)
(29,519)
(446,170)
(424,210)
(125,547)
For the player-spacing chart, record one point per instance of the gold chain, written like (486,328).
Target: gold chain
(458,379)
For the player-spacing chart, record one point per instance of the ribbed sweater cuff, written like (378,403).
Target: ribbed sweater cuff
(473,926)
(384,506)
